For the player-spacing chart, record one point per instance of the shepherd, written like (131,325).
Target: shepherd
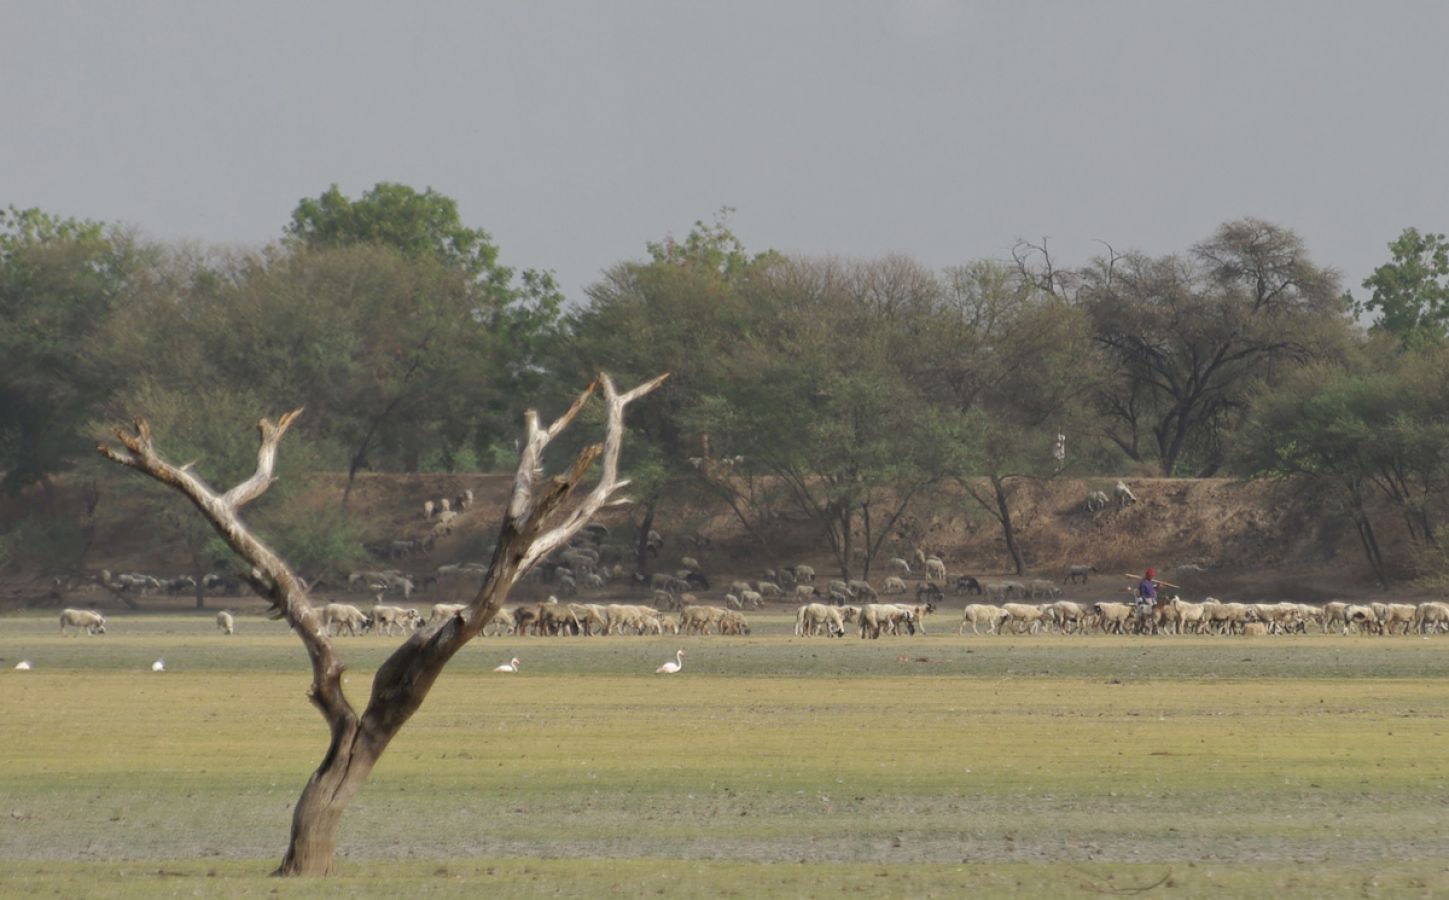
(1146,599)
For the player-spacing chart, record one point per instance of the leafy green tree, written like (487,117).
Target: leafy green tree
(822,398)
(59,281)
(1021,367)
(420,226)
(1308,428)
(467,319)
(682,310)
(1410,294)
(1378,425)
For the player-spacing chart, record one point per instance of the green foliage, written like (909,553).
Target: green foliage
(1410,294)
(59,280)
(214,429)
(420,226)
(39,542)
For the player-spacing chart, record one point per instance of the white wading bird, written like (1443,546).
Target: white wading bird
(670,668)
(510,666)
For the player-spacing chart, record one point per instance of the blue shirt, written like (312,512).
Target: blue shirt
(1147,590)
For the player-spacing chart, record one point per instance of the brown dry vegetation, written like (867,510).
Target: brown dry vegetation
(1256,540)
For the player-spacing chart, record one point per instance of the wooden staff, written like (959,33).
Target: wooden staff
(1154,581)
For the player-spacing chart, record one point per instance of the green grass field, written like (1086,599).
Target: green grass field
(772,766)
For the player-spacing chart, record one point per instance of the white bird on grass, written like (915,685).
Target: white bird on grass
(670,668)
(158,666)
(510,666)
(23,665)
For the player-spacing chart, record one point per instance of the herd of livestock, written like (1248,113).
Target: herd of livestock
(834,607)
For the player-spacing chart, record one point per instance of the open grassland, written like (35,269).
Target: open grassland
(930,766)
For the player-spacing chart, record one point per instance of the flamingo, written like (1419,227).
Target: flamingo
(23,665)
(670,668)
(510,666)
(158,666)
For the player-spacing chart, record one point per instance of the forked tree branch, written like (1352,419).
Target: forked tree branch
(271,577)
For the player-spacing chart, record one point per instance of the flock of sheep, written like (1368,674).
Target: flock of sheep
(1177,616)
(673,604)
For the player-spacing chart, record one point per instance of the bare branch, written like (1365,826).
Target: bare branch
(530,464)
(271,577)
(257,485)
(609,482)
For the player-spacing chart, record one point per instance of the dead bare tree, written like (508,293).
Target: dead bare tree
(536,523)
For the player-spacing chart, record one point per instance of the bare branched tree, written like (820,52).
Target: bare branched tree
(538,521)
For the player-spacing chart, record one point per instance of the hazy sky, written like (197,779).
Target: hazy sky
(577,131)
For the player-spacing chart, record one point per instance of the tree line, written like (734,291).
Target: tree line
(835,392)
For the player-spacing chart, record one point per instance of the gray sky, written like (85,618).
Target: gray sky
(577,131)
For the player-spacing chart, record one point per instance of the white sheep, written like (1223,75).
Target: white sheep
(337,616)
(226,622)
(1432,616)
(812,617)
(1123,493)
(386,618)
(894,584)
(1022,618)
(1362,617)
(1097,500)
(1189,616)
(1114,617)
(441,612)
(92,622)
(1395,614)
(935,568)
(900,565)
(1068,617)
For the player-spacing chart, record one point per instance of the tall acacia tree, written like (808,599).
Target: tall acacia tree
(1191,336)
(538,520)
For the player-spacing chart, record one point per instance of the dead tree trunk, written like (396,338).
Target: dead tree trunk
(534,525)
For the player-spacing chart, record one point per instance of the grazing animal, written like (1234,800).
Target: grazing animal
(510,666)
(92,622)
(1097,500)
(1124,494)
(966,584)
(23,666)
(158,666)
(225,622)
(935,568)
(1078,574)
(671,668)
